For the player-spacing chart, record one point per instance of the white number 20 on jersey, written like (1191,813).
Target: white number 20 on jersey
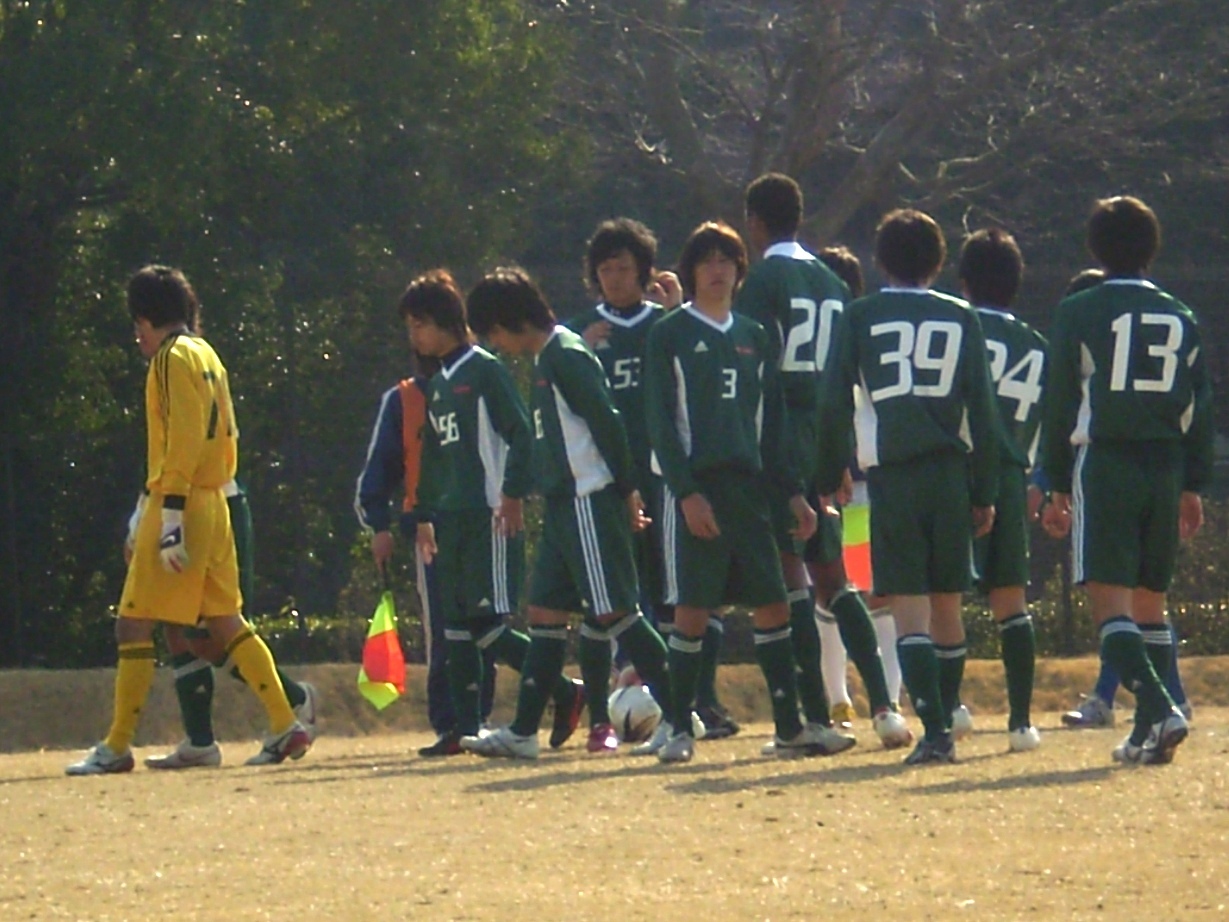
(806,348)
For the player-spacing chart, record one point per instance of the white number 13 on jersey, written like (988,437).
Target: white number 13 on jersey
(914,352)
(1167,352)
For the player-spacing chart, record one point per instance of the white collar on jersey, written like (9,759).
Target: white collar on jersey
(450,370)
(618,319)
(1142,283)
(704,318)
(790,249)
(996,311)
(891,290)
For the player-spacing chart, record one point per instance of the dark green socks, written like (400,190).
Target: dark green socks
(710,656)
(595,658)
(548,647)
(464,666)
(951,673)
(774,651)
(194,689)
(1123,647)
(647,652)
(1018,648)
(920,669)
(862,644)
(807,654)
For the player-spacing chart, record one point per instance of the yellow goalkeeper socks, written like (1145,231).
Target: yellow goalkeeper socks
(255,662)
(133,678)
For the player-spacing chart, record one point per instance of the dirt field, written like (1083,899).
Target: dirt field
(363,830)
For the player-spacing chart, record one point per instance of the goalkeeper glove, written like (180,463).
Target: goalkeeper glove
(134,520)
(171,545)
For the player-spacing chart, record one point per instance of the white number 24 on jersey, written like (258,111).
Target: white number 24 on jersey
(1022,382)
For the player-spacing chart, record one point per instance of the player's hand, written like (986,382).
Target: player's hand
(1056,517)
(1190,515)
(983,520)
(699,516)
(382,548)
(510,516)
(171,547)
(596,332)
(827,506)
(134,521)
(666,290)
(635,508)
(1035,501)
(424,540)
(805,517)
(844,493)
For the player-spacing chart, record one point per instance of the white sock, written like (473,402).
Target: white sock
(885,630)
(834,659)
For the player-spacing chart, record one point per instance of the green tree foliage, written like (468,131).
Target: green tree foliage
(299,160)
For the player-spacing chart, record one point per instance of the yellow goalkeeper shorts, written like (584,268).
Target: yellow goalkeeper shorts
(208,586)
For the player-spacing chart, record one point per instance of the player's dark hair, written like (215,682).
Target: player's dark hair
(1083,280)
(776,199)
(848,268)
(509,298)
(711,237)
(1123,235)
(163,296)
(613,237)
(991,267)
(435,296)
(909,245)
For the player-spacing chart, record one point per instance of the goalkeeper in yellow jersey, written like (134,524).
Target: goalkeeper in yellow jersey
(184,567)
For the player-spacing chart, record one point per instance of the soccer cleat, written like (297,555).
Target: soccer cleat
(1165,736)
(309,711)
(653,745)
(843,715)
(928,752)
(812,740)
(1128,752)
(185,755)
(603,739)
(102,761)
(1023,739)
(1187,712)
(502,744)
(679,748)
(962,722)
(891,728)
(718,724)
(1092,712)
(567,719)
(291,744)
(448,744)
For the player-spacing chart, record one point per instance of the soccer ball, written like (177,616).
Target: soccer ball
(634,713)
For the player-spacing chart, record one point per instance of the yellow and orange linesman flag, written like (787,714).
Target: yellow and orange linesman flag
(856,525)
(381,680)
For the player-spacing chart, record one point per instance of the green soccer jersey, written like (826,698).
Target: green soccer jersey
(1017,356)
(1126,365)
(797,299)
(580,445)
(909,375)
(622,355)
(713,399)
(478,443)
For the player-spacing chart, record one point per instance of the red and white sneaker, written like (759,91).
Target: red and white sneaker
(603,739)
(292,744)
(309,711)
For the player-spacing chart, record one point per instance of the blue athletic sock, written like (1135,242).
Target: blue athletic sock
(1107,682)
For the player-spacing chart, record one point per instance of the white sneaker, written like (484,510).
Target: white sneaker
(309,711)
(680,748)
(502,743)
(1128,752)
(1023,739)
(292,744)
(698,730)
(102,761)
(185,755)
(813,740)
(962,722)
(892,729)
(653,745)
(1092,712)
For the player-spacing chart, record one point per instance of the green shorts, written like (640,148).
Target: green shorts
(801,441)
(1002,555)
(741,565)
(586,562)
(1124,518)
(921,525)
(478,571)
